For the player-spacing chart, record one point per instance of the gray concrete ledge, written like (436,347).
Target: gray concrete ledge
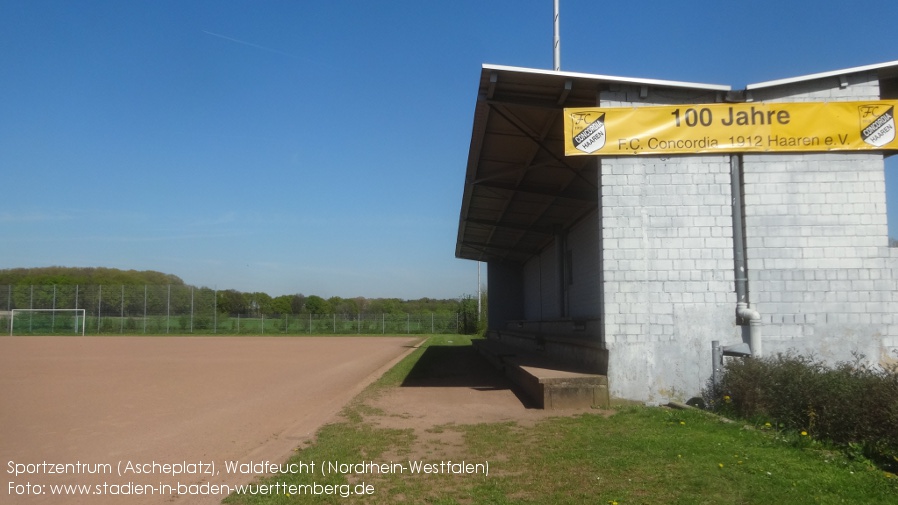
(550,384)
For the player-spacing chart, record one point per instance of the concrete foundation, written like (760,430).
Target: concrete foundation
(550,384)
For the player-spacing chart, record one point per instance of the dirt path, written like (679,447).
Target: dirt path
(160,401)
(452,386)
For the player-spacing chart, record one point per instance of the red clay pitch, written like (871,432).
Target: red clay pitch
(156,401)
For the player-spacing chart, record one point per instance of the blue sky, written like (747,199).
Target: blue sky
(320,147)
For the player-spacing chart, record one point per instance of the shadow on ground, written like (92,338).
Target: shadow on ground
(459,367)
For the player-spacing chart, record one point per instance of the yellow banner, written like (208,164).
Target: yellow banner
(735,127)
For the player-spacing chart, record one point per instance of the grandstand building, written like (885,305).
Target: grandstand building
(630,265)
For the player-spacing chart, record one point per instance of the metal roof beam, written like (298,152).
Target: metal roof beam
(539,141)
(567,193)
(485,247)
(541,230)
(568,86)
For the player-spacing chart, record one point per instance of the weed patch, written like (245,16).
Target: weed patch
(852,406)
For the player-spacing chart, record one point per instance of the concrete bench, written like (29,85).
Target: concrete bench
(550,385)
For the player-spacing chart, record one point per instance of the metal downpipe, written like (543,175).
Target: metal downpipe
(745,314)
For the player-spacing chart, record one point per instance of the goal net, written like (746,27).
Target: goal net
(47,320)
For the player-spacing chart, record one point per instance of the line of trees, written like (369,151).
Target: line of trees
(120,290)
(85,276)
(235,302)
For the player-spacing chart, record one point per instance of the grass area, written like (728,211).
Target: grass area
(634,455)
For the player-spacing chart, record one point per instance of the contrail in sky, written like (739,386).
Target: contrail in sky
(257,46)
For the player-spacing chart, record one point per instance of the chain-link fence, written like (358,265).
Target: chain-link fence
(182,310)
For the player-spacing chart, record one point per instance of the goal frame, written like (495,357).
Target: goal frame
(12,317)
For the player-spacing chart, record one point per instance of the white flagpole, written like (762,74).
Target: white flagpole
(557,39)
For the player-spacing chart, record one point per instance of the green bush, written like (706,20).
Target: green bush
(852,405)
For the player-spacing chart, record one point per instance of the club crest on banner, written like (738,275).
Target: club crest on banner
(588,131)
(877,124)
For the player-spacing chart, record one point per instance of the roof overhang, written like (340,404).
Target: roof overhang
(886,70)
(520,189)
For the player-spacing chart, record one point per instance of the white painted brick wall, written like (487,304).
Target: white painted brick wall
(820,271)
(817,237)
(863,86)
(668,266)
(817,265)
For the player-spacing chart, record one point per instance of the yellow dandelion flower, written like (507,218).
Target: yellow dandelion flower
(804,433)
(720,465)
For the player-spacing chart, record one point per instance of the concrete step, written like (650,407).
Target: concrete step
(549,384)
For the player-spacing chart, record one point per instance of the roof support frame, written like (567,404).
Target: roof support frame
(538,140)
(565,193)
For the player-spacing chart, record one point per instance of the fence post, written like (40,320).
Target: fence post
(9,307)
(53,314)
(168,310)
(121,321)
(191,309)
